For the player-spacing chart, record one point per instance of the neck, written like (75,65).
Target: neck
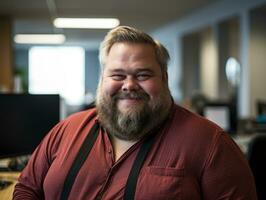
(120,146)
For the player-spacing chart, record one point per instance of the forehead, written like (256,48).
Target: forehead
(126,54)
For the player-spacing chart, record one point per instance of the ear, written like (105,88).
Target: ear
(165,76)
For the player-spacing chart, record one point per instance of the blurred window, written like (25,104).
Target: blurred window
(58,70)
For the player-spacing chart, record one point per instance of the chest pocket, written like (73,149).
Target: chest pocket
(160,183)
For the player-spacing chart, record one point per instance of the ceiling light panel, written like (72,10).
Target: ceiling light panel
(86,23)
(39,38)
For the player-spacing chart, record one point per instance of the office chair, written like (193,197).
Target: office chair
(257,160)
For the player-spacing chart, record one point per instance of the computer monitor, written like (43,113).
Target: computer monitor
(260,125)
(261,107)
(223,114)
(25,119)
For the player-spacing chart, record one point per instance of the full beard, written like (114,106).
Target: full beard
(136,121)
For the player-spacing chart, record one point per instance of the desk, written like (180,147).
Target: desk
(6,194)
(243,141)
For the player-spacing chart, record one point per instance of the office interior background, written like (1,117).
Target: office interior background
(217,50)
(200,35)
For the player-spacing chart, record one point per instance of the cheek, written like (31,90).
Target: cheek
(110,87)
(153,89)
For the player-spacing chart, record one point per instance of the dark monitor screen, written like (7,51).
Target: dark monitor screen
(261,107)
(223,114)
(25,119)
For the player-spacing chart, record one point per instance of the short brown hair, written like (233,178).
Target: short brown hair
(129,34)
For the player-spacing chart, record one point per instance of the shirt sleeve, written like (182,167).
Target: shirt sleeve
(30,182)
(226,173)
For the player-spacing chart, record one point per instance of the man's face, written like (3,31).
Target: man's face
(133,86)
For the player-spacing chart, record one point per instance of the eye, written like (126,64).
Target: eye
(143,77)
(118,77)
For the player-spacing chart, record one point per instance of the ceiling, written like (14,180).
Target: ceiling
(35,16)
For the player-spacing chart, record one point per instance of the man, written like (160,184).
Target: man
(136,143)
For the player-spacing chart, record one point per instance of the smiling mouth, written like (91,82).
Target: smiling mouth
(131,97)
(130,100)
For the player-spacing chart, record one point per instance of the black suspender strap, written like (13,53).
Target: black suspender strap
(135,170)
(79,160)
(84,152)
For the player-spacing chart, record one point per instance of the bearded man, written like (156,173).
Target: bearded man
(136,143)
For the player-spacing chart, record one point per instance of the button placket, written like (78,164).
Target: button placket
(105,185)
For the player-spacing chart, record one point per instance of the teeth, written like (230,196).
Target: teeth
(131,98)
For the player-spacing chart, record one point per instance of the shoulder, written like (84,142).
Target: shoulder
(199,130)
(193,130)
(197,140)
(73,123)
(89,113)
(80,118)
(70,127)
(199,133)
(193,123)
(193,135)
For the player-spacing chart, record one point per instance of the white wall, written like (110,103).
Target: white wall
(209,64)
(257,59)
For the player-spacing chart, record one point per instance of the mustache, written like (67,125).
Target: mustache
(130,95)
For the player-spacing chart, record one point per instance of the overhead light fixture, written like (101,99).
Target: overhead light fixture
(86,23)
(39,38)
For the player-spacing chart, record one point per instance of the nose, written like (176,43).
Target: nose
(130,84)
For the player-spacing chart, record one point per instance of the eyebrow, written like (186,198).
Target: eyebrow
(119,70)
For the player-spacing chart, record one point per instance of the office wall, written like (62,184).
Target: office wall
(228,47)
(209,64)
(257,57)
(211,15)
(190,65)
(21,60)
(204,57)
(6,55)
(92,70)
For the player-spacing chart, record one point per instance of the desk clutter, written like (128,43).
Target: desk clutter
(8,181)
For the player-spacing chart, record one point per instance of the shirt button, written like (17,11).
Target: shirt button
(109,150)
